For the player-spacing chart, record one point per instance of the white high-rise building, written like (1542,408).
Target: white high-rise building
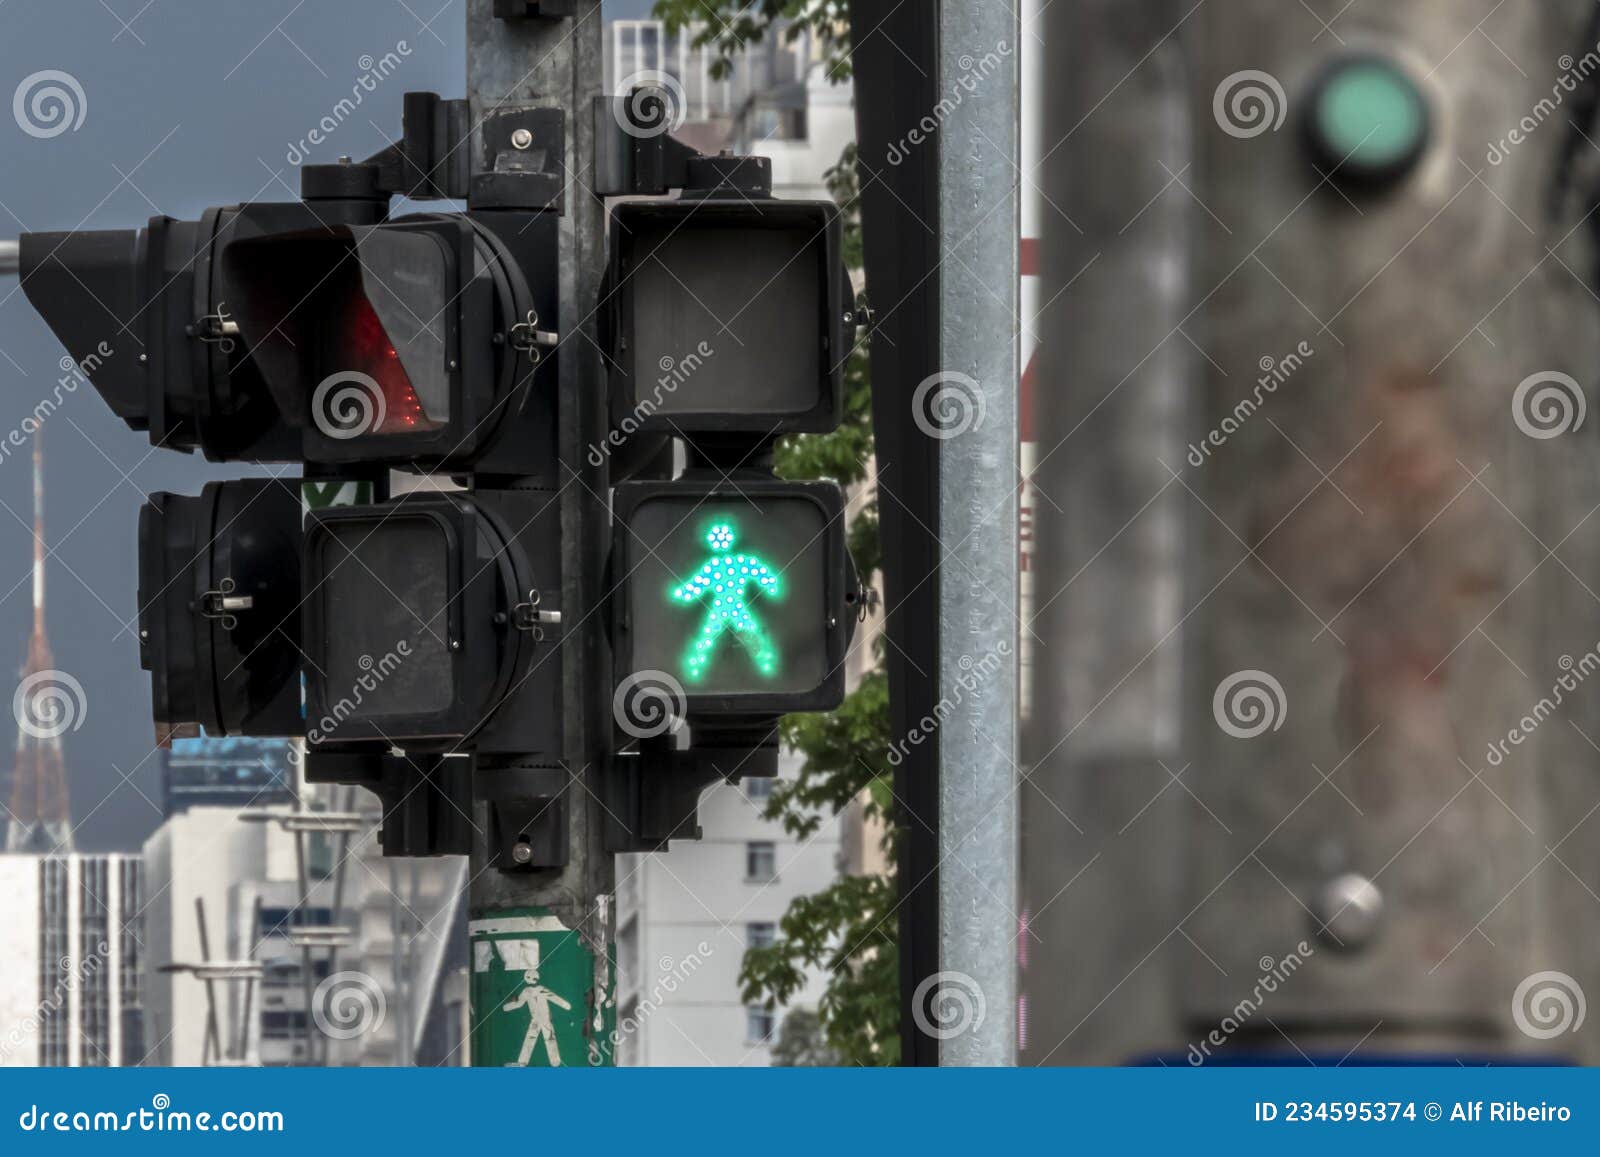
(685,918)
(803,125)
(71,946)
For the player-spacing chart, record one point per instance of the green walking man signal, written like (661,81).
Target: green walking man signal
(726,581)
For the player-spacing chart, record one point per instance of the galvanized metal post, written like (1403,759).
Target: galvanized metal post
(972,1002)
(542,974)
(1298,585)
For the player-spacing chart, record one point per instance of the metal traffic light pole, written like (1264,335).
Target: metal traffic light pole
(541,942)
(978,485)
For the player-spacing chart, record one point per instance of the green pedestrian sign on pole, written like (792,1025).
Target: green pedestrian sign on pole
(541,997)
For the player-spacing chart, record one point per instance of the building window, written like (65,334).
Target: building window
(760,860)
(278,921)
(759,788)
(283,1025)
(760,935)
(759,1025)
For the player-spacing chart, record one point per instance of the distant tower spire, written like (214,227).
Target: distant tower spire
(39,812)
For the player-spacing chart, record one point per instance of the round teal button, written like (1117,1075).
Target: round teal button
(1368,120)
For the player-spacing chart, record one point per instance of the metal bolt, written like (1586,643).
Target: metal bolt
(522,853)
(1348,911)
(521,139)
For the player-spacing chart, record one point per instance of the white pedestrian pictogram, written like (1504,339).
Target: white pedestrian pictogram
(537,999)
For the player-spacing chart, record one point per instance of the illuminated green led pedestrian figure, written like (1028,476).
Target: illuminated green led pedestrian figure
(725,585)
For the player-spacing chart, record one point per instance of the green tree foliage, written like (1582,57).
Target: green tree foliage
(848,929)
(802,1042)
(725,26)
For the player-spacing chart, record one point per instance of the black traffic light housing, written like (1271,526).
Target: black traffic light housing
(432,622)
(726,314)
(700,557)
(145,313)
(411,342)
(189,331)
(219,596)
(734,598)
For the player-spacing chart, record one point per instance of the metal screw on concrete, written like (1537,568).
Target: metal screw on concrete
(522,853)
(1348,911)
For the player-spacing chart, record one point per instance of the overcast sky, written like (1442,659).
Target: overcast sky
(185,106)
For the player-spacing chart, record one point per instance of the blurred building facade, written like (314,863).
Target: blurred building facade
(71,938)
(232,772)
(386,937)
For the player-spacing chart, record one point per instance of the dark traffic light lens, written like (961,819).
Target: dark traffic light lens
(382,599)
(726,317)
(731,596)
(743,301)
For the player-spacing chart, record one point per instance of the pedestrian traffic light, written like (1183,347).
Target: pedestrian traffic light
(727,314)
(433,620)
(415,641)
(219,599)
(309,331)
(738,590)
(145,312)
(728,318)
(410,342)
